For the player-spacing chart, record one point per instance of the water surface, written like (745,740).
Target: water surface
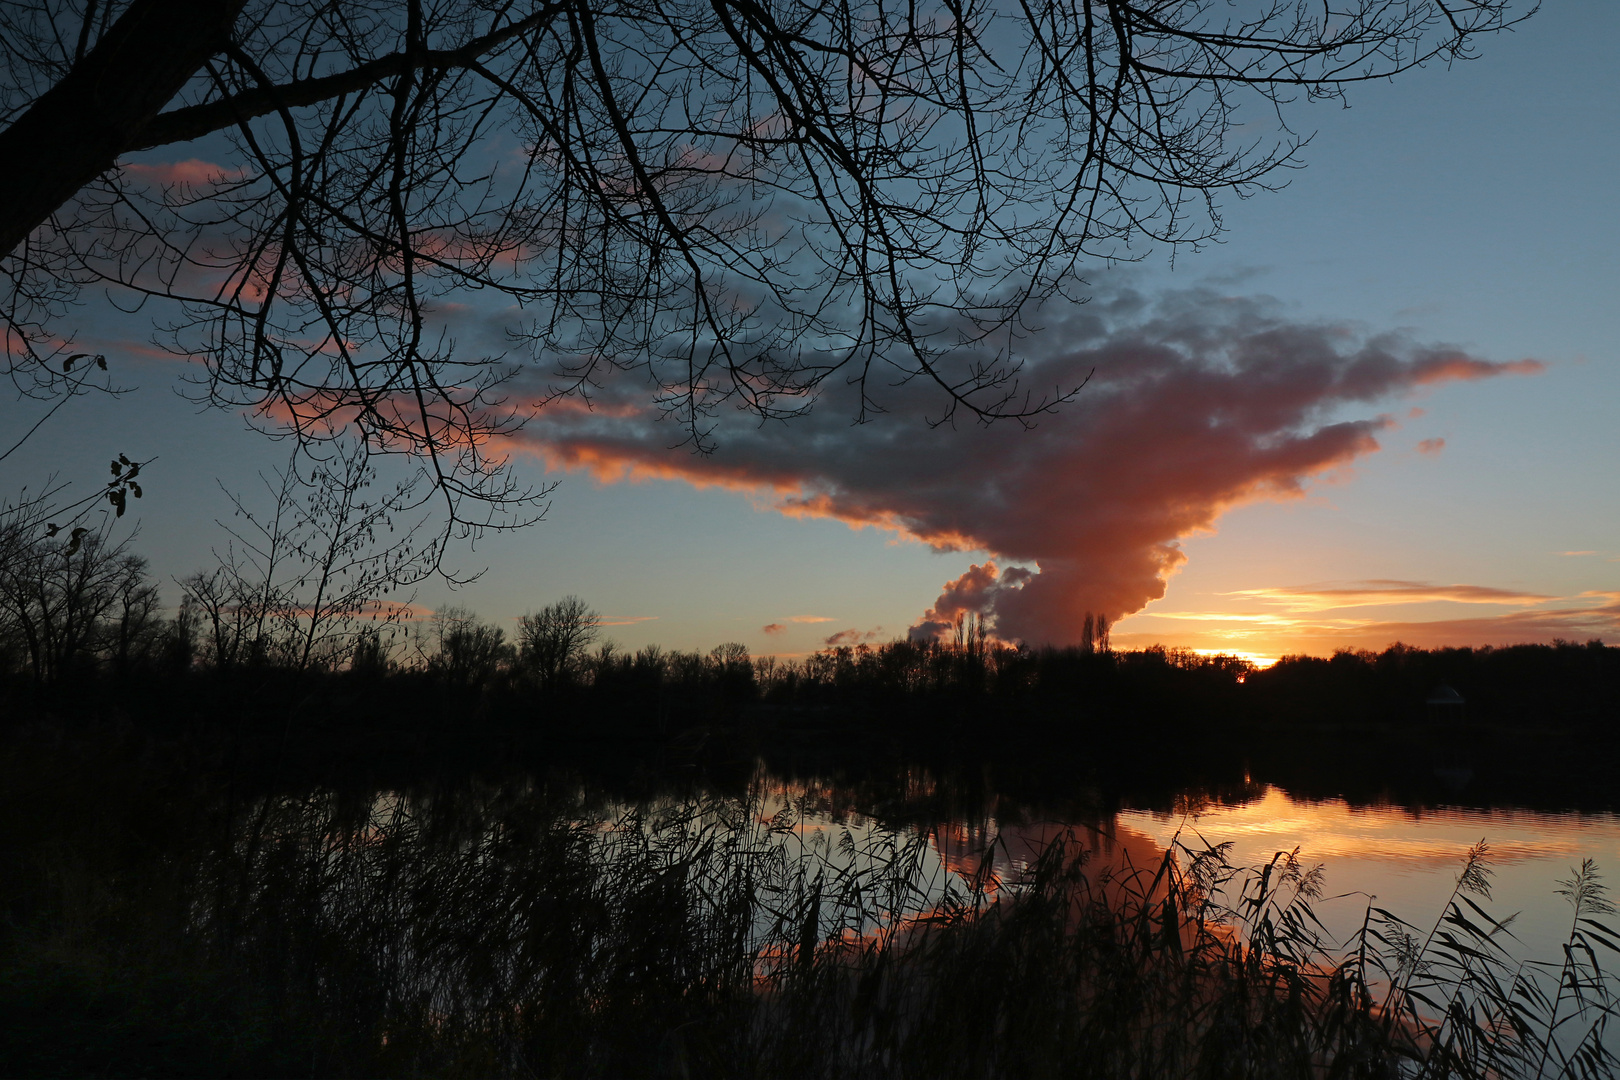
(1402,858)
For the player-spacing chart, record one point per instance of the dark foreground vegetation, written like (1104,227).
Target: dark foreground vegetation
(165,920)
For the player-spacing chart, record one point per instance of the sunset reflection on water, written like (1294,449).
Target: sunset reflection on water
(1405,857)
(1402,858)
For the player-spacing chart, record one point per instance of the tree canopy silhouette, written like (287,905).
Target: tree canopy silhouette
(736,199)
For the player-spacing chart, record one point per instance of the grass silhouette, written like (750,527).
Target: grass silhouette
(519,929)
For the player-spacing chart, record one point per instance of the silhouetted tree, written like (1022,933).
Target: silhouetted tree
(178,650)
(554,638)
(64,605)
(968,634)
(135,626)
(299,580)
(372,654)
(733,669)
(470,652)
(741,200)
(234,609)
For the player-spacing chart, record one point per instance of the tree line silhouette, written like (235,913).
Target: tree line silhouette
(293,602)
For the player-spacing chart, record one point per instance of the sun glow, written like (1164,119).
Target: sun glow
(1256,659)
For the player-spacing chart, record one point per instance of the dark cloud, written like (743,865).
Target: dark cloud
(1196,402)
(852,636)
(978,590)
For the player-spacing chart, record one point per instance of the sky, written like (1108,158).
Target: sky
(1381,409)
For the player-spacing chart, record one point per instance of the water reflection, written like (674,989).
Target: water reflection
(1405,859)
(1408,857)
(523,925)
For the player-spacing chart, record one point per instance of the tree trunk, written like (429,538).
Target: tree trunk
(78,129)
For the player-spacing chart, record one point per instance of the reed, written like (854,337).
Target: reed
(507,929)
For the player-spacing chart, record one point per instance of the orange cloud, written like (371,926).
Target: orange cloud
(193,172)
(1590,615)
(1451,367)
(1431,446)
(781,627)
(1196,403)
(624,620)
(1386,591)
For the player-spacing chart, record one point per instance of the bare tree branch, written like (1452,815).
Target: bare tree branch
(732,200)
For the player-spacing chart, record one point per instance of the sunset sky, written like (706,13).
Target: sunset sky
(1385,408)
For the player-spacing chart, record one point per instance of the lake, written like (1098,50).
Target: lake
(513,913)
(1402,858)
